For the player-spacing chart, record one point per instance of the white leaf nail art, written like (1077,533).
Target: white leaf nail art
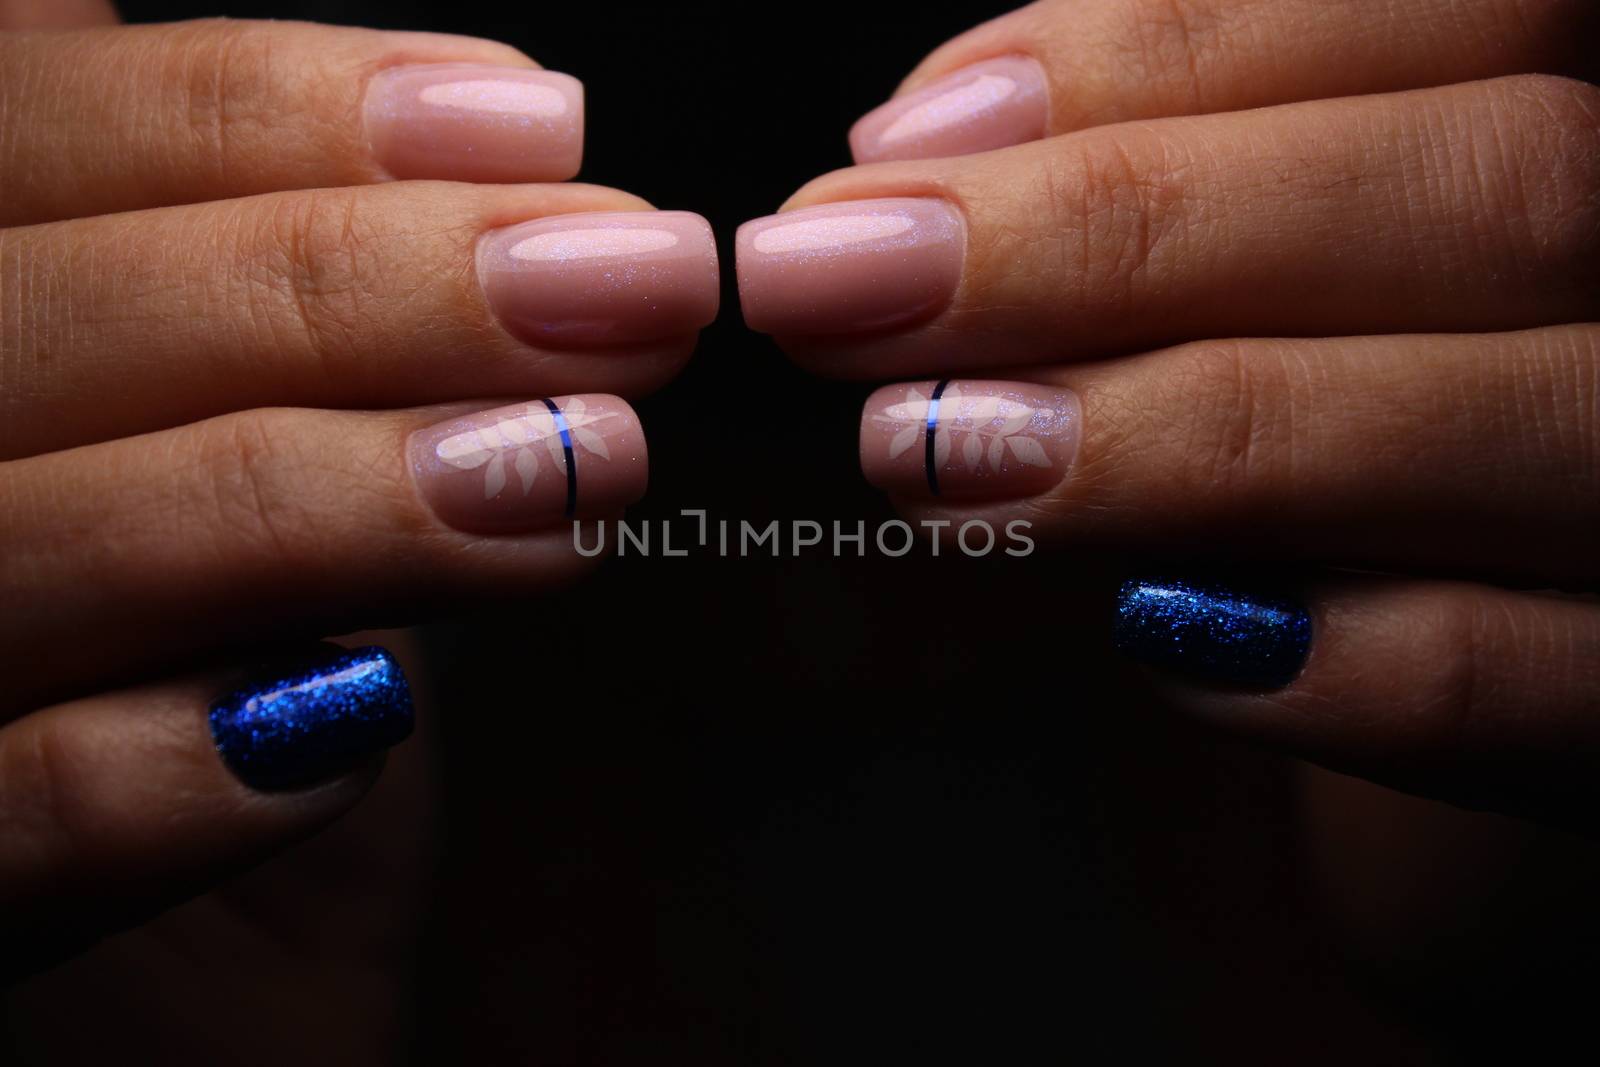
(1016,421)
(983,409)
(972,452)
(590,440)
(527,468)
(941,447)
(1028,450)
(494,479)
(997,453)
(904,439)
(518,436)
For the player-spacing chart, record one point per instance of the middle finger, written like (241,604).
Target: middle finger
(1467,208)
(370,296)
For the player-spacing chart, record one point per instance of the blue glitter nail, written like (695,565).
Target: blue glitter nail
(309,725)
(1213,632)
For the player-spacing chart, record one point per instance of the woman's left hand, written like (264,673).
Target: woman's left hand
(1365,317)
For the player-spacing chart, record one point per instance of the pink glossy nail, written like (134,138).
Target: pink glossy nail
(519,468)
(849,267)
(992,104)
(461,122)
(602,278)
(968,439)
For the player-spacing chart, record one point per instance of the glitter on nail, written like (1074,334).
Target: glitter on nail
(961,104)
(1213,632)
(298,728)
(517,98)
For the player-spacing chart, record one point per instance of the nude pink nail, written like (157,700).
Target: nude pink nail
(968,439)
(848,267)
(987,105)
(519,468)
(602,278)
(462,122)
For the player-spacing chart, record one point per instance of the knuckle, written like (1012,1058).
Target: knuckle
(1238,428)
(1537,154)
(244,87)
(42,799)
(249,497)
(1469,634)
(1168,43)
(309,275)
(1117,202)
(216,67)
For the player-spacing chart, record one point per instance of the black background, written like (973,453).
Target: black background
(810,810)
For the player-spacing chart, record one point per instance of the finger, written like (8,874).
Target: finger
(1447,451)
(297,521)
(55,14)
(1460,209)
(1062,65)
(120,805)
(143,116)
(1475,695)
(363,297)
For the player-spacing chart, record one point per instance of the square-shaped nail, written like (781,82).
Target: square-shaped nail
(472,123)
(599,279)
(312,723)
(526,466)
(968,439)
(849,267)
(992,104)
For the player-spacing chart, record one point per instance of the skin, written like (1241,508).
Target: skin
(1421,682)
(1409,386)
(219,333)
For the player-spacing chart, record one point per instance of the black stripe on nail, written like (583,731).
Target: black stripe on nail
(566,448)
(933,430)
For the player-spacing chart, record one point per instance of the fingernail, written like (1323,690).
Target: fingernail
(1213,632)
(992,104)
(968,439)
(602,278)
(849,267)
(462,122)
(296,728)
(519,468)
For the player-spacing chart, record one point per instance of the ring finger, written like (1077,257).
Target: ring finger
(1456,451)
(306,522)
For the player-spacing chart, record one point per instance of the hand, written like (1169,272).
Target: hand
(1352,327)
(244,328)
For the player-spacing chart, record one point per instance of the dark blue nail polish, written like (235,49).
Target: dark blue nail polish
(1213,632)
(312,724)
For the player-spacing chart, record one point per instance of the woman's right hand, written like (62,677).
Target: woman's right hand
(250,321)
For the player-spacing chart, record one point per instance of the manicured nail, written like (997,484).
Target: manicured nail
(992,104)
(601,279)
(849,267)
(1213,632)
(519,468)
(462,122)
(298,727)
(968,439)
